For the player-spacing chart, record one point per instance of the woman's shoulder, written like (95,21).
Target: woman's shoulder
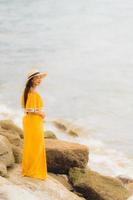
(33,93)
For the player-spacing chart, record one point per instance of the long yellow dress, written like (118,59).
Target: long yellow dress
(34,163)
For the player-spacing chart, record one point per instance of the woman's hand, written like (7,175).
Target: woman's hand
(41,113)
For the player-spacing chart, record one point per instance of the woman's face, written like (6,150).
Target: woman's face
(37,80)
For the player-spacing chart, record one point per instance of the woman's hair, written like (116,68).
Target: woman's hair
(29,84)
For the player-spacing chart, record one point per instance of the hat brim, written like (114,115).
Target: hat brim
(42,74)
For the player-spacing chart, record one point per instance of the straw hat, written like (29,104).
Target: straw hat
(35,72)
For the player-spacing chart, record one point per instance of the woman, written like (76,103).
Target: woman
(34,154)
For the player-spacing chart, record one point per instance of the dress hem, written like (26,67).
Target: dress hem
(26,175)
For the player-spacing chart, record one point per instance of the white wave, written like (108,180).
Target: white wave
(10,114)
(130,198)
(101,157)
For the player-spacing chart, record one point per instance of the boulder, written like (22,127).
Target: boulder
(61,124)
(95,186)
(6,154)
(50,134)
(62,155)
(129,186)
(17,187)
(17,152)
(13,138)
(62,178)
(9,125)
(3,170)
(69,127)
(125,180)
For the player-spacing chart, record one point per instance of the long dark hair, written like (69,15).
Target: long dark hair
(29,84)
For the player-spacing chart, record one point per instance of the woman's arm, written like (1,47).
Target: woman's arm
(35,111)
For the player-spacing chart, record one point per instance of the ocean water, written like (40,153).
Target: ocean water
(86,48)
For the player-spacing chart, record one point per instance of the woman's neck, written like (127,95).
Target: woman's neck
(33,89)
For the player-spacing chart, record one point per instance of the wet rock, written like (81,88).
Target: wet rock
(61,124)
(69,127)
(95,186)
(50,134)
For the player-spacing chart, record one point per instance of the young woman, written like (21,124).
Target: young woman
(34,153)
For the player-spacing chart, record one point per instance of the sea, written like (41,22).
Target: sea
(86,47)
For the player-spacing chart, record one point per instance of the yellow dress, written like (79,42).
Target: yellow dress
(34,153)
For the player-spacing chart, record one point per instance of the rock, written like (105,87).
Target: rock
(3,170)
(69,127)
(74,131)
(62,178)
(13,138)
(9,125)
(16,142)
(17,152)
(129,186)
(62,155)
(61,124)
(125,180)
(94,186)
(17,187)
(50,134)
(6,154)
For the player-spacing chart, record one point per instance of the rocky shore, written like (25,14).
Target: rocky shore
(69,176)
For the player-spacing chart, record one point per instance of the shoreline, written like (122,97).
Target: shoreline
(102,156)
(77,154)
